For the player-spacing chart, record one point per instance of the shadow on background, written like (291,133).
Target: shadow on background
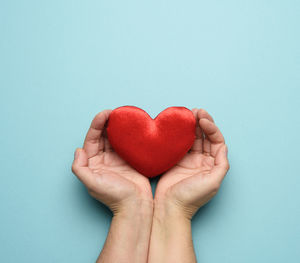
(87,203)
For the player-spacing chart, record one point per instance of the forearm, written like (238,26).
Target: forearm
(171,238)
(128,237)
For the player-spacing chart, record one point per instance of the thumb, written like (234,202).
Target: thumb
(80,167)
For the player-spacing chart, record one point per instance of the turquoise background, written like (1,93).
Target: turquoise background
(61,62)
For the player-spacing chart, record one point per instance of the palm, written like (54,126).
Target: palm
(190,165)
(111,164)
(198,165)
(106,175)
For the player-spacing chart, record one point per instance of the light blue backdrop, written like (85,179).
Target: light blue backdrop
(64,61)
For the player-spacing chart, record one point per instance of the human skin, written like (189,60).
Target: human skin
(127,193)
(143,229)
(183,190)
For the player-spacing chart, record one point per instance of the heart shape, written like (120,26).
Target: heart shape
(151,146)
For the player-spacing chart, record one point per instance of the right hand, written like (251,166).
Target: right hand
(197,177)
(107,177)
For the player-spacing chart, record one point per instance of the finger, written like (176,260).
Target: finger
(221,163)
(80,168)
(211,131)
(195,112)
(206,146)
(203,114)
(93,141)
(107,145)
(197,146)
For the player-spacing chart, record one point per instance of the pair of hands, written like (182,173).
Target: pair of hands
(181,191)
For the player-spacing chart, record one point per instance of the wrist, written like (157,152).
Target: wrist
(171,236)
(129,234)
(134,209)
(168,209)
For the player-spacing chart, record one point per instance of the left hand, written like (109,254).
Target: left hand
(198,176)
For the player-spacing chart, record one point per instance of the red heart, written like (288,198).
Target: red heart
(151,146)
